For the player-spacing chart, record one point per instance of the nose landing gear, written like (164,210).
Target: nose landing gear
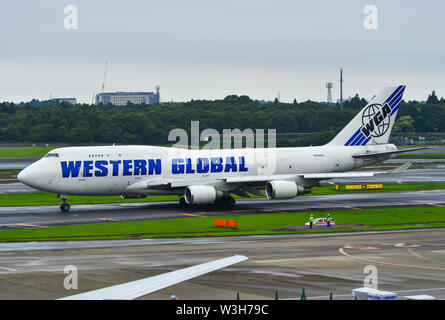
(64,206)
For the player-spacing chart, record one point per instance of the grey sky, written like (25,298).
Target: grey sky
(204,49)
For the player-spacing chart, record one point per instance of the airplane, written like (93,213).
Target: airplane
(202,177)
(139,288)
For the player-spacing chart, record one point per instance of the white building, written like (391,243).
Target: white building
(122,98)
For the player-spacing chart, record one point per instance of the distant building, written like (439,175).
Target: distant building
(66,100)
(122,98)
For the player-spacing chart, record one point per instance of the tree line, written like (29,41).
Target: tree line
(40,122)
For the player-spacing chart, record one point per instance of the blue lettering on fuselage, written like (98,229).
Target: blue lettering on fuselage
(206,165)
(102,168)
(141,167)
(71,168)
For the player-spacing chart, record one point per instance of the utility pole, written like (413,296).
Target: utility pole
(103,83)
(341,89)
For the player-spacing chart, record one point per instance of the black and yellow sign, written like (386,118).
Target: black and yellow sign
(360,186)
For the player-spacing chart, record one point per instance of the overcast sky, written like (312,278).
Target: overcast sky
(207,49)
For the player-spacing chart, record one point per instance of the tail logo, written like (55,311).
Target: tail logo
(375,120)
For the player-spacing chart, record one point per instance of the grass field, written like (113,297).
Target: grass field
(17,152)
(43,198)
(254,224)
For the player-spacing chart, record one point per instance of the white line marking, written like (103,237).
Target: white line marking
(7,269)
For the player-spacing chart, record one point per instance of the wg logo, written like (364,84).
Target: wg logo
(375,120)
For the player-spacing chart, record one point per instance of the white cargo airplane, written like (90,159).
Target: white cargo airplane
(210,176)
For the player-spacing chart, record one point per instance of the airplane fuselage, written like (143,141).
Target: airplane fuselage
(110,170)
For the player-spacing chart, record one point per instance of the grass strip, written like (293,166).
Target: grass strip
(18,152)
(252,224)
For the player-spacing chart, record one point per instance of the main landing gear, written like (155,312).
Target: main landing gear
(224,202)
(64,206)
(227,203)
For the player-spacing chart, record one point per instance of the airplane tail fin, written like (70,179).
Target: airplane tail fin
(373,124)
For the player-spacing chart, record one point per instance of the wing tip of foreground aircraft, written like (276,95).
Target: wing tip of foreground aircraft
(139,288)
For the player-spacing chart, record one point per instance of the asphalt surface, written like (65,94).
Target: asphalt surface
(407,263)
(15,187)
(44,216)
(17,163)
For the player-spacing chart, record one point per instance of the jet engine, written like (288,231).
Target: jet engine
(201,194)
(282,189)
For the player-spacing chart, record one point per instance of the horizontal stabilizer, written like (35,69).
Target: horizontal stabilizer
(372,155)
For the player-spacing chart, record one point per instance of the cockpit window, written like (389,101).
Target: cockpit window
(54,155)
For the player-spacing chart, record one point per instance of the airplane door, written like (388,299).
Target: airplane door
(114,181)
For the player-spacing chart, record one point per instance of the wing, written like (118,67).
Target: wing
(241,183)
(139,288)
(295,177)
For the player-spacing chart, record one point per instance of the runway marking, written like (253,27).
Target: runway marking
(31,225)
(7,269)
(389,263)
(434,204)
(270,211)
(417,255)
(191,215)
(110,220)
(404,245)
(354,208)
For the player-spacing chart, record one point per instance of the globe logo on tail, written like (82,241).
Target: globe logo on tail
(373,115)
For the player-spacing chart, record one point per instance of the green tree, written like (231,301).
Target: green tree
(432,98)
(404,124)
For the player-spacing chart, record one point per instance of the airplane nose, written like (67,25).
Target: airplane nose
(22,176)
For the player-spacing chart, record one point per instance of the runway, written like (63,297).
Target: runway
(44,216)
(407,262)
(17,163)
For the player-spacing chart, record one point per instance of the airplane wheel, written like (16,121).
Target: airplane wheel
(64,207)
(182,202)
(228,203)
(231,202)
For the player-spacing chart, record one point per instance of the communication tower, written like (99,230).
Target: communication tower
(329,86)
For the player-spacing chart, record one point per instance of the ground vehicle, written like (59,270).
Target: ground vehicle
(320,222)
